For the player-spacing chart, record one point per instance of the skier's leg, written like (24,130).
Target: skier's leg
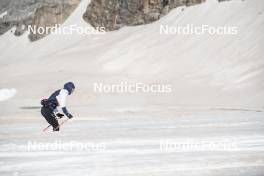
(54,123)
(50,118)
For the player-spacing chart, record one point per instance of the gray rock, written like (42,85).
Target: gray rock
(41,13)
(113,14)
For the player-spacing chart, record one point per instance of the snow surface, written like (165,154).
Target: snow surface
(217,95)
(6,94)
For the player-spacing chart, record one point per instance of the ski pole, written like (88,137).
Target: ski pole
(46,128)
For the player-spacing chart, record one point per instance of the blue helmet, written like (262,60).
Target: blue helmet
(69,86)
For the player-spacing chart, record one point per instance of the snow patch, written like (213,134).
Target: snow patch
(3,14)
(6,94)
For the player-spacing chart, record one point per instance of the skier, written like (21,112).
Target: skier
(58,99)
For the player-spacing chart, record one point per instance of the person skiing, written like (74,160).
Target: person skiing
(58,99)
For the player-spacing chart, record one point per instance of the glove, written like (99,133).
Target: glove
(69,116)
(59,115)
(65,111)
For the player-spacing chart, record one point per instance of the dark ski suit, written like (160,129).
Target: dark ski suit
(58,98)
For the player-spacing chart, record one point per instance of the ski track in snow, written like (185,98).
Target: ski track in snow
(132,147)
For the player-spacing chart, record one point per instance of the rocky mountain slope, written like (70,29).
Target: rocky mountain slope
(39,13)
(111,14)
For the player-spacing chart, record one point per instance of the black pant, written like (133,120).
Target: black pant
(47,112)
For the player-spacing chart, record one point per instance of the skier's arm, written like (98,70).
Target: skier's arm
(65,111)
(62,102)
